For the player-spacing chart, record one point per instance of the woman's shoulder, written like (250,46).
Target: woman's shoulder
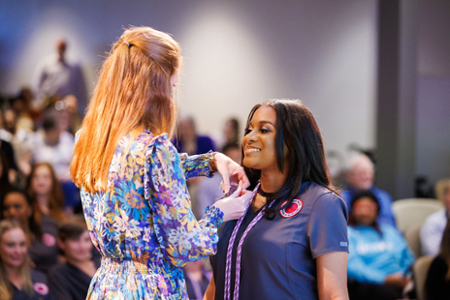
(40,283)
(160,144)
(320,194)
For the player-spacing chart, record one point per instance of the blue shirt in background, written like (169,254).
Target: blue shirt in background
(373,256)
(386,216)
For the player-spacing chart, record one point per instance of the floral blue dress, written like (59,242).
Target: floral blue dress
(143,224)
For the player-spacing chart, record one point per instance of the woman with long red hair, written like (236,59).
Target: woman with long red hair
(133,180)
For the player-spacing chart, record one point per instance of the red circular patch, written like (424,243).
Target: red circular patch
(292,210)
(41,288)
(49,240)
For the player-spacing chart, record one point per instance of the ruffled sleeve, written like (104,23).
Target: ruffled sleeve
(196,165)
(182,238)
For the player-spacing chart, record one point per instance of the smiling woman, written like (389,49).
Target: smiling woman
(292,240)
(17,281)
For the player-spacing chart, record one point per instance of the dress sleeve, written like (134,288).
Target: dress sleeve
(327,226)
(196,165)
(182,238)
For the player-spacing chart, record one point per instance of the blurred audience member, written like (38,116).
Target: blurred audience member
(438,278)
(231,131)
(360,176)
(56,147)
(70,281)
(210,190)
(189,141)
(54,76)
(45,191)
(5,185)
(197,279)
(229,134)
(379,257)
(20,139)
(21,105)
(8,151)
(433,228)
(29,115)
(41,235)
(70,119)
(17,280)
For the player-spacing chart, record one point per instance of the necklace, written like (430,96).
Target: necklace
(239,250)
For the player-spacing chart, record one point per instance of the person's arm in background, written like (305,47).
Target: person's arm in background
(431,233)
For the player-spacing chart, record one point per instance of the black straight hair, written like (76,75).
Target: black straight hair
(34,227)
(297,129)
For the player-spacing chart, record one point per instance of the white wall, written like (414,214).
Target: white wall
(237,53)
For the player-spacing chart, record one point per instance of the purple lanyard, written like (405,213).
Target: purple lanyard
(239,250)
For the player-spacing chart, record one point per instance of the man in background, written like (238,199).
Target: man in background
(56,78)
(360,176)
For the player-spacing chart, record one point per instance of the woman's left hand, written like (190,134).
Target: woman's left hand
(230,171)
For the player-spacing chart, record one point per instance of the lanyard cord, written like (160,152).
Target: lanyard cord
(239,251)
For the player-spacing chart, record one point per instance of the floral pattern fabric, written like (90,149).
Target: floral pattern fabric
(143,224)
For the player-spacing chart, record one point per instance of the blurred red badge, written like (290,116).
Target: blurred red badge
(49,240)
(41,288)
(292,210)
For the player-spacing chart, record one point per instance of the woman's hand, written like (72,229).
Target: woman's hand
(397,280)
(233,207)
(230,170)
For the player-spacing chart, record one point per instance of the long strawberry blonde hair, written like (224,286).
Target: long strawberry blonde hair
(134,91)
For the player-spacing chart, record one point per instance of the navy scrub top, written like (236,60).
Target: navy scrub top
(40,286)
(278,255)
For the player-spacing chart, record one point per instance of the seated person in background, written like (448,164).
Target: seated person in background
(433,228)
(197,279)
(5,185)
(17,280)
(209,191)
(188,141)
(7,150)
(46,194)
(379,257)
(360,176)
(437,285)
(41,237)
(20,139)
(55,146)
(70,281)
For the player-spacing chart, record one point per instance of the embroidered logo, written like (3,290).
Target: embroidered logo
(49,240)
(292,210)
(41,288)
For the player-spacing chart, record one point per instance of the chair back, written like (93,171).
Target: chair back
(420,270)
(414,211)
(412,237)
